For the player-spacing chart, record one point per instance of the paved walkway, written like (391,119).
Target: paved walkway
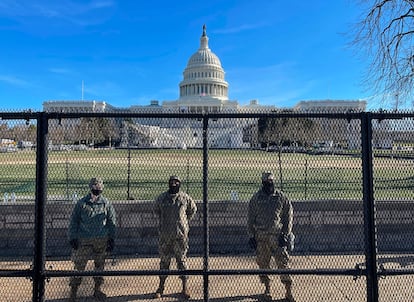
(222,288)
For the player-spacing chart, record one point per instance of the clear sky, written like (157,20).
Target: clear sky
(130,52)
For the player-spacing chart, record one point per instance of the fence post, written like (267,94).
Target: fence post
(188,177)
(369,208)
(129,173)
(40,201)
(205,210)
(306,178)
(67,176)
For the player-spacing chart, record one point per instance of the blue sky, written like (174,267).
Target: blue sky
(130,52)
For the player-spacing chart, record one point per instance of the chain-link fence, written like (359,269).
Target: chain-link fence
(349,177)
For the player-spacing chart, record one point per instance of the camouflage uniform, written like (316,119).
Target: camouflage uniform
(270,216)
(174,212)
(92,227)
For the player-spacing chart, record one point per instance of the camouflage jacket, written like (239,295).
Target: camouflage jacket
(174,212)
(269,214)
(92,219)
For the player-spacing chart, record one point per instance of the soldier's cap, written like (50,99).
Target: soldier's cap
(174,177)
(267,176)
(96,183)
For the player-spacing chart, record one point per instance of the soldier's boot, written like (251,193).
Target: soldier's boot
(185,292)
(289,296)
(73,292)
(160,289)
(98,294)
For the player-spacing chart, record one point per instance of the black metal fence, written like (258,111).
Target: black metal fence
(349,175)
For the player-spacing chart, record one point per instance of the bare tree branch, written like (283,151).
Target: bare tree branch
(385,36)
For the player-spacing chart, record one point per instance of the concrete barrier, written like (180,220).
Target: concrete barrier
(331,226)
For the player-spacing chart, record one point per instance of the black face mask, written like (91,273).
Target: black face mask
(96,192)
(269,187)
(174,189)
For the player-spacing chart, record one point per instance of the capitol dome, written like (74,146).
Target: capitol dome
(204,75)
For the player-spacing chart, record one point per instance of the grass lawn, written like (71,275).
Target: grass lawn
(231,174)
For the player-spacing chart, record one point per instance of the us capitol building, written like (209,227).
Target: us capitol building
(202,90)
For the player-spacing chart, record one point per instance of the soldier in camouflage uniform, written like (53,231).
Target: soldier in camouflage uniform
(91,235)
(174,209)
(270,220)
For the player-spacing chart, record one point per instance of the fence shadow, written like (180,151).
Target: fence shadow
(403,261)
(172,297)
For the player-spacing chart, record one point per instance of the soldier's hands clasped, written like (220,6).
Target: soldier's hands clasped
(291,242)
(287,240)
(253,243)
(283,240)
(74,243)
(110,245)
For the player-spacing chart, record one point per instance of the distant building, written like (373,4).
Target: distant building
(393,134)
(332,106)
(202,90)
(76,106)
(342,132)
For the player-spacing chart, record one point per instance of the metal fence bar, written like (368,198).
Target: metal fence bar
(16,273)
(205,209)
(41,197)
(214,272)
(369,209)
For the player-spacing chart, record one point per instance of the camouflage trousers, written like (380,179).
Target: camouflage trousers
(89,249)
(173,247)
(268,246)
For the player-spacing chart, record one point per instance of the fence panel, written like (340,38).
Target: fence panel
(135,165)
(17,187)
(317,164)
(393,153)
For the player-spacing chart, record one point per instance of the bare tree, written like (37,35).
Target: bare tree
(385,34)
